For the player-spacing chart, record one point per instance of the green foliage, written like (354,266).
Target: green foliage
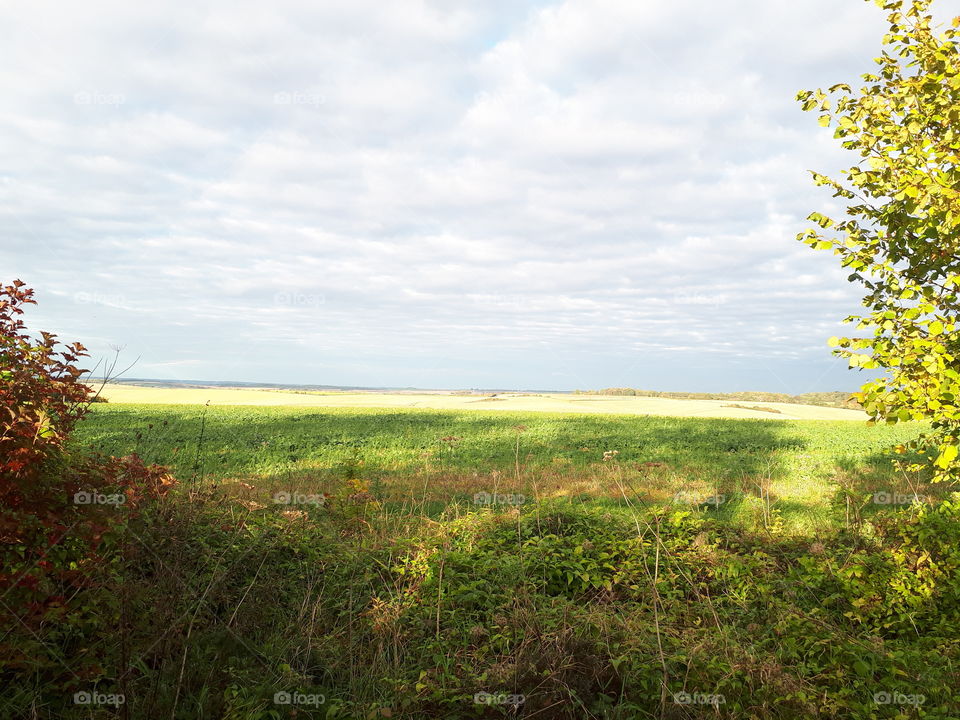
(908,588)
(584,606)
(901,239)
(582,611)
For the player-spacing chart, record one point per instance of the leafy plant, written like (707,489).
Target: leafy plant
(902,238)
(40,393)
(62,513)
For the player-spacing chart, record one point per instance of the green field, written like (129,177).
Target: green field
(433,457)
(635,566)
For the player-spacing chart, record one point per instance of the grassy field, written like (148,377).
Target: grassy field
(341,563)
(794,468)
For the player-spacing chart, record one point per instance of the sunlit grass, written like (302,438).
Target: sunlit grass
(784,472)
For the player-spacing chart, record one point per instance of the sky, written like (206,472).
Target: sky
(431,193)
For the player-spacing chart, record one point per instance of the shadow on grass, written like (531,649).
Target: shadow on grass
(220,442)
(421,460)
(883,481)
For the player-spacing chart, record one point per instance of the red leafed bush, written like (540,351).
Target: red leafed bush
(41,397)
(63,513)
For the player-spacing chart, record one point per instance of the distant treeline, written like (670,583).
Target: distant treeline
(827,399)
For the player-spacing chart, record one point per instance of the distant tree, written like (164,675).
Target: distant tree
(901,238)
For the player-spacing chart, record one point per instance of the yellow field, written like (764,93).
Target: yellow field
(508,401)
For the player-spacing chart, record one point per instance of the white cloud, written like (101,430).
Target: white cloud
(368,193)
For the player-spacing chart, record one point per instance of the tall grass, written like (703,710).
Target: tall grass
(609,581)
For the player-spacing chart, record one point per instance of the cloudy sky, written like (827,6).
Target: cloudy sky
(431,193)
